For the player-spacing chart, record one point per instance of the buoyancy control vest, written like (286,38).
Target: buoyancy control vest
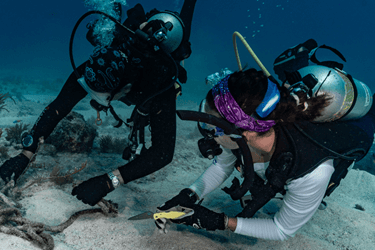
(149,71)
(297,155)
(155,76)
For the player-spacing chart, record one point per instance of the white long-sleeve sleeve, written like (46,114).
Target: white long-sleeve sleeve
(221,168)
(302,199)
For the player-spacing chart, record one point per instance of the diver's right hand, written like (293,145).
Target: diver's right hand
(186,198)
(15,165)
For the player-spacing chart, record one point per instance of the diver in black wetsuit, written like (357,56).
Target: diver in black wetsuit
(130,70)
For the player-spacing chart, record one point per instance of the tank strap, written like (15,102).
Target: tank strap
(331,64)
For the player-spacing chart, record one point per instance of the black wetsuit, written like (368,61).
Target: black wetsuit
(162,115)
(150,75)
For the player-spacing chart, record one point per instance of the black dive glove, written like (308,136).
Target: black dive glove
(14,165)
(203,218)
(94,189)
(186,198)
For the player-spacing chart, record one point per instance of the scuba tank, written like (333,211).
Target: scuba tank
(351,98)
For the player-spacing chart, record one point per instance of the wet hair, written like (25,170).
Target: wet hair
(249,87)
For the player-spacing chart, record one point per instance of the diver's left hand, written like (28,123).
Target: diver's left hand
(94,189)
(203,218)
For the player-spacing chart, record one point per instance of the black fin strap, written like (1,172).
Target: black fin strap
(328,63)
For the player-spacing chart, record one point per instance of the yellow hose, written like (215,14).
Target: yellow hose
(236,33)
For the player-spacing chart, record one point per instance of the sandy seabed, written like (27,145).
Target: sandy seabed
(339,226)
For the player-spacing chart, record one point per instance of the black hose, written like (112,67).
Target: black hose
(229,129)
(189,115)
(76,27)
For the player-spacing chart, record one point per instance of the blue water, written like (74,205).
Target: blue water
(35,34)
(34,43)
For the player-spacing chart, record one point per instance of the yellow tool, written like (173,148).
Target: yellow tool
(182,212)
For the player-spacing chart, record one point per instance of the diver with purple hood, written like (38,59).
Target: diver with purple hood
(270,134)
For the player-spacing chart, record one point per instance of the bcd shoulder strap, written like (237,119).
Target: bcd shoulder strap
(330,64)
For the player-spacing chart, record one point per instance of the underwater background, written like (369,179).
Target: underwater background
(35,63)
(35,35)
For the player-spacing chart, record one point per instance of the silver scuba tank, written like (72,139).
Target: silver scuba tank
(352,99)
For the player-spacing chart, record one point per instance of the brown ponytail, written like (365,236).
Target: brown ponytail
(307,109)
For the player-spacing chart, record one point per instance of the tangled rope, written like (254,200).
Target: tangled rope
(12,222)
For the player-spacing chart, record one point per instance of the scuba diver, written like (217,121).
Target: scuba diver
(140,70)
(284,139)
